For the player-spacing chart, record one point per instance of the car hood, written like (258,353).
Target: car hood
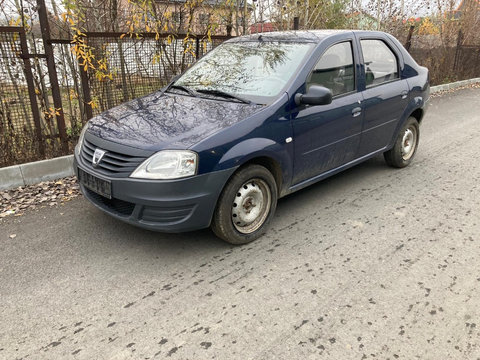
(162,120)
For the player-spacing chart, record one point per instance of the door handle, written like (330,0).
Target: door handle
(404,94)
(356,111)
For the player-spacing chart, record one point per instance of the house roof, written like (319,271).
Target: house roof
(262,27)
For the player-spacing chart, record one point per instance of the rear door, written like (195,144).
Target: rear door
(385,95)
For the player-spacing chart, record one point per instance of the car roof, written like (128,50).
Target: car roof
(297,36)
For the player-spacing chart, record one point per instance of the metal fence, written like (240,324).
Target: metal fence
(138,65)
(20,127)
(31,119)
(446,63)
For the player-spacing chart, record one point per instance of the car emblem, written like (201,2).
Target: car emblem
(97,157)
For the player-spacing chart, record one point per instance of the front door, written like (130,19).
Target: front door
(327,136)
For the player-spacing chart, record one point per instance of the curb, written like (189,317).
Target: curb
(454,85)
(36,172)
(53,169)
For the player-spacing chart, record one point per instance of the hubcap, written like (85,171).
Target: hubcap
(251,206)
(409,143)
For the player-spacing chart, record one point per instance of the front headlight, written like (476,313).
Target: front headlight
(168,164)
(78,148)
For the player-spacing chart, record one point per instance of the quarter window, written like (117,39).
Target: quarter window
(380,62)
(335,70)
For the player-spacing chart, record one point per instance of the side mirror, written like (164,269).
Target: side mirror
(316,95)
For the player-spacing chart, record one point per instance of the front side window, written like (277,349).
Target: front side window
(335,70)
(380,62)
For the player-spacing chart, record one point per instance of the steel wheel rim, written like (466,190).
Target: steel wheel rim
(251,206)
(409,142)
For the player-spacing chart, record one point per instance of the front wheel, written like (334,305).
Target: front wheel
(246,205)
(406,145)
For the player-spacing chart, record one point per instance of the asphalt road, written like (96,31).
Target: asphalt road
(372,263)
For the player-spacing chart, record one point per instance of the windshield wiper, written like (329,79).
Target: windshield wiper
(223,94)
(180,87)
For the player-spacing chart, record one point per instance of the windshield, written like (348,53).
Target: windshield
(256,71)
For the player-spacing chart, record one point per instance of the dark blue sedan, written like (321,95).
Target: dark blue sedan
(255,119)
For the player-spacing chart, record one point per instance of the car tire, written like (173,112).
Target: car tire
(405,146)
(246,205)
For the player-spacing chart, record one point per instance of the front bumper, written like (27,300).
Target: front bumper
(160,205)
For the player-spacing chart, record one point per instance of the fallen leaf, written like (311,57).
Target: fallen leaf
(17,201)
(8,212)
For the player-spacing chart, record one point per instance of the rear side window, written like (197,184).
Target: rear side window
(380,62)
(334,70)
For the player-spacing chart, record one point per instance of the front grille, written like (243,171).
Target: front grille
(113,163)
(117,206)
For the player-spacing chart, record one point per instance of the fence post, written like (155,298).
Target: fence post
(296,23)
(27,70)
(87,97)
(52,73)
(458,49)
(197,48)
(408,43)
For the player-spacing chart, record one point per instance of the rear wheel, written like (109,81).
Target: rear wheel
(246,205)
(406,145)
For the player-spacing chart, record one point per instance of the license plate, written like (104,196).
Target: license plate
(100,186)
